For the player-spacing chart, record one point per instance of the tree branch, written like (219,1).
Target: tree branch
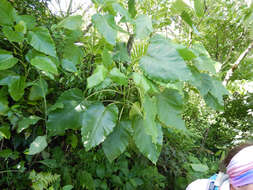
(130,44)
(235,66)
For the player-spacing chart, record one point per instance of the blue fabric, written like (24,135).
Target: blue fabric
(212,181)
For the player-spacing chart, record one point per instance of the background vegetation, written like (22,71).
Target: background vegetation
(141,94)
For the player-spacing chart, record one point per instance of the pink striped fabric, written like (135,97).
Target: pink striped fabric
(240,168)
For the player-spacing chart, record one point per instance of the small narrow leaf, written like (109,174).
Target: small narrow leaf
(38,145)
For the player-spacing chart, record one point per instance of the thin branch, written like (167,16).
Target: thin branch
(238,61)
(130,44)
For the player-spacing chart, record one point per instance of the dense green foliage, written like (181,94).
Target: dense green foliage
(119,105)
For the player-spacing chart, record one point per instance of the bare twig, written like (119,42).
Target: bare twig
(238,61)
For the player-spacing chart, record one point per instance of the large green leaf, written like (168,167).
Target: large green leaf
(104,24)
(211,89)
(7,13)
(97,77)
(179,6)
(144,141)
(143,26)
(29,21)
(38,145)
(116,143)
(71,22)
(12,35)
(199,6)
(26,122)
(44,63)
(163,62)
(68,117)
(7,60)
(98,123)
(41,40)
(72,56)
(118,77)
(150,112)
(17,87)
(131,8)
(38,90)
(170,108)
(5,131)
(4,104)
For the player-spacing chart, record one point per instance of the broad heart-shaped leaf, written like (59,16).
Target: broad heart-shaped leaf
(12,35)
(98,123)
(150,112)
(199,6)
(163,62)
(38,145)
(39,38)
(29,20)
(211,89)
(104,23)
(38,90)
(170,108)
(118,77)
(116,143)
(71,22)
(72,56)
(16,87)
(68,117)
(7,13)
(26,122)
(203,61)
(6,60)
(144,141)
(44,63)
(97,77)
(143,26)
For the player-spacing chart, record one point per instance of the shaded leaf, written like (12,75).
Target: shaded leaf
(131,8)
(26,122)
(117,142)
(12,35)
(7,60)
(5,131)
(97,77)
(98,123)
(38,90)
(17,87)
(68,117)
(118,76)
(7,13)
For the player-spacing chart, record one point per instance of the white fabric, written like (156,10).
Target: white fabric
(202,184)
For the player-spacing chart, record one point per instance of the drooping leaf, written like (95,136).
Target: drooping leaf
(71,22)
(5,131)
(170,108)
(12,35)
(187,18)
(163,62)
(26,122)
(179,6)
(115,144)
(17,87)
(131,8)
(199,6)
(38,145)
(118,77)
(98,123)
(38,90)
(72,56)
(44,63)
(144,141)
(50,163)
(150,112)
(104,23)
(97,77)
(39,38)
(143,26)
(7,60)
(7,13)
(68,117)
